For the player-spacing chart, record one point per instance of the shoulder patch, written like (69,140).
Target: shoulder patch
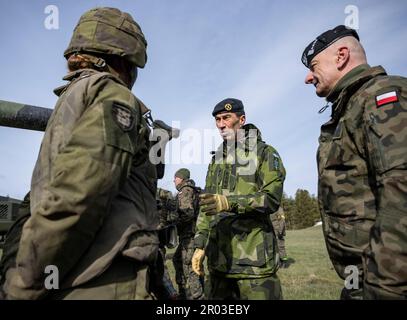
(123,116)
(385,98)
(276,161)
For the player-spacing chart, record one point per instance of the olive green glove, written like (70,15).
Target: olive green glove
(197,260)
(212,204)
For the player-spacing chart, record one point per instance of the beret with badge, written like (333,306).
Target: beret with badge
(229,105)
(324,40)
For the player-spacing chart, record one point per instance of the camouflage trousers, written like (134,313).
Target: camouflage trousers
(188,281)
(281,247)
(221,288)
(125,279)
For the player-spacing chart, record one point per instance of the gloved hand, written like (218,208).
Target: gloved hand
(197,260)
(212,204)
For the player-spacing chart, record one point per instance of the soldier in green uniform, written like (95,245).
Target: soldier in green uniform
(190,284)
(362,165)
(244,186)
(93,206)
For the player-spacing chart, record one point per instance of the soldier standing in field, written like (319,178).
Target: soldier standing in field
(190,284)
(244,186)
(92,200)
(362,165)
(278,220)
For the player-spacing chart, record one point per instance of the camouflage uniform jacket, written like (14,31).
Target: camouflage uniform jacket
(185,200)
(362,163)
(93,188)
(164,200)
(241,243)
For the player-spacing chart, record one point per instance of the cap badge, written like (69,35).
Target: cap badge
(228,107)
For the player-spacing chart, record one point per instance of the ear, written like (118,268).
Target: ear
(242,119)
(342,57)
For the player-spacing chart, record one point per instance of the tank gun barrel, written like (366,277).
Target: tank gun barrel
(23,116)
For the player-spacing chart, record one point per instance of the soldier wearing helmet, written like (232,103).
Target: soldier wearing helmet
(93,189)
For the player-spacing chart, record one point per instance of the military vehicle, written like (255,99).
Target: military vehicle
(23,116)
(8,214)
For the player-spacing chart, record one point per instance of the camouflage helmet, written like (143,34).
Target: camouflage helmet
(109,31)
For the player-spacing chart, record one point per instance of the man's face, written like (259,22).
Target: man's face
(177,181)
(228,123)
(323,73)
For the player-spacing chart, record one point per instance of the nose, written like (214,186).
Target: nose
(221,124)
(309,78)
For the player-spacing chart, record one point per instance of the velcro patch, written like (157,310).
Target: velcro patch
(385,98)
(123,116)
(276,161)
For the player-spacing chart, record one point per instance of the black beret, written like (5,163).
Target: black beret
(324,41)
(228,105)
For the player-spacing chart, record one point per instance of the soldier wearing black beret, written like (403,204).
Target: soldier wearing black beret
(229,105)
(229,116)
(244,186)
(362,166)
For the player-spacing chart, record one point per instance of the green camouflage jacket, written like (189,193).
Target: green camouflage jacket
(362,163)
(186,215)
(92,191)
(164,200)
(241,243)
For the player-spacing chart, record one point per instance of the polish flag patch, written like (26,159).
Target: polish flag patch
(386,98)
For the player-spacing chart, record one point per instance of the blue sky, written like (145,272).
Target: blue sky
(199,52)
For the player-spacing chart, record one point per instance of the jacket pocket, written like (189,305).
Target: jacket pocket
(355,237)
(376,152)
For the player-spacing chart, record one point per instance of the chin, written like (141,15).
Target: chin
(227,138)
(321,94)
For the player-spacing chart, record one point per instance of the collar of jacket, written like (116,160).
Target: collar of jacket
(79,74)
(188,182)
(349,84)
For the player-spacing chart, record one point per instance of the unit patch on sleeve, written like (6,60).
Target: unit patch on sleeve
(123,116)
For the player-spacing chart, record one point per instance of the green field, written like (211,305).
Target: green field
(311,275)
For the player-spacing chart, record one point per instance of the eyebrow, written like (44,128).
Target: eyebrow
(222,116)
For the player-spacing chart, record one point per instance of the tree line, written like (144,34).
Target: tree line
(301,211)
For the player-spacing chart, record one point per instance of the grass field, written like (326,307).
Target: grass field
(310,276)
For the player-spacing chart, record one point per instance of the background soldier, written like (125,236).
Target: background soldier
(278,220)
(165,207)
(190,284)
(93,207)
(244,185)
(165,204)
(362,163)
